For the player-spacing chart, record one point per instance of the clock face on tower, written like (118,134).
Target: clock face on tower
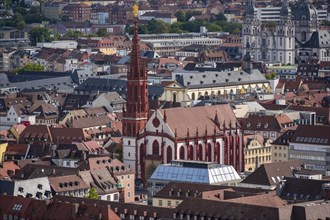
(156,122)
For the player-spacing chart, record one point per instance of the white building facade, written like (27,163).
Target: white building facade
(295,38)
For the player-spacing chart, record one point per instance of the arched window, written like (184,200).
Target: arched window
(182,153)
(193,96)
(200,152)
(155,148)
(209,152)
(168,154)
(191,152)
(206,94)
(219,92)
(303,36)
(218,152)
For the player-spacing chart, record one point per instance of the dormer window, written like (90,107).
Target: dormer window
(258,125)
(39,186)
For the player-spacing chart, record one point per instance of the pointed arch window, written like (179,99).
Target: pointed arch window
(155,148)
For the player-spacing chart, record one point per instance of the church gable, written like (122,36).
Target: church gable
(174,85)
(157,122)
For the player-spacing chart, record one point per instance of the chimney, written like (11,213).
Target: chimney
(145,213)
(125,211)
(155,214)
(135,212)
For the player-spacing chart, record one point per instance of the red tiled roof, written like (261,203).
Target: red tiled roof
(201,118)
(67,183)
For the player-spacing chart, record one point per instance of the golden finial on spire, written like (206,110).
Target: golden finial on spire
(135,10)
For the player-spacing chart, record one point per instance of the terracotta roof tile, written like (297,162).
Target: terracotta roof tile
(67,183)
(201,118)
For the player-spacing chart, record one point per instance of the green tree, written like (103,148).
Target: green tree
(39,35)
(92,194)
(21,10)
(74,34)
(176,28)
(102,32)
(212,27)
(158,27)
(181,16)
(20,25)
(270,76)
(33,67)
(18,21)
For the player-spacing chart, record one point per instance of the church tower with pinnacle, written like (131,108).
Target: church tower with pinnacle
(135,115)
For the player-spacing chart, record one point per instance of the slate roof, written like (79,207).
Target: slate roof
(103,85)
(270,174)
(278,123)
(114,85)
(194,79)
(302,189)
(34,187)
(228,210)
(312,134)
(30,171)
(61,84)
(319,39)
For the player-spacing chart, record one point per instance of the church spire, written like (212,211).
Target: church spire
(135,115)
(136,71)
